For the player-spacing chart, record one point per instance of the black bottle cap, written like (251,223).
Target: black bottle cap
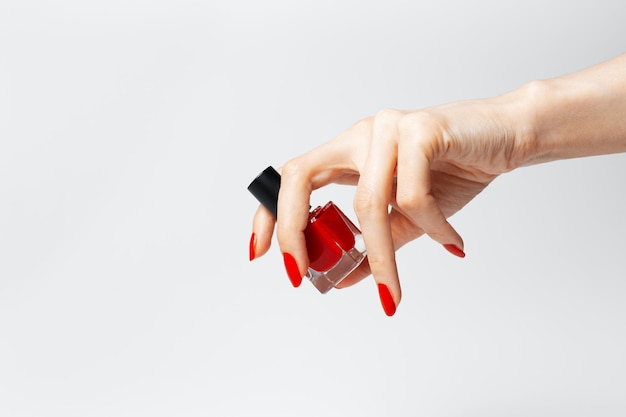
(265,188)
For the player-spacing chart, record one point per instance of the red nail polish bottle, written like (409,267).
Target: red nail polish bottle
(334,244)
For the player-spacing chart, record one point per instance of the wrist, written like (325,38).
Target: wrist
(577,115)
(519,112)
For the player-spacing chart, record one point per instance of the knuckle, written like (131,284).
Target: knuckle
(362,203)
(366,202)
(363,125)
(423,132)
(387,116)
(377,262)
(426,206)
(409,200)
(414,122)
(293,168)
(409,124)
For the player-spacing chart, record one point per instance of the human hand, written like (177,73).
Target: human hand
(426,165)
(414,169)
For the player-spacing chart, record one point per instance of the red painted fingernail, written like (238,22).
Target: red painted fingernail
(386,300)
(455,250)
(293,272)
(252,246)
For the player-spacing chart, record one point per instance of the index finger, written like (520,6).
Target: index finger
(300,176)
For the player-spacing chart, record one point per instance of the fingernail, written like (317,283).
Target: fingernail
(455,250)
(293,272)
(386,300)
(252,246)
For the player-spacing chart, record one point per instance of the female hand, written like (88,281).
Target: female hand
(414,169)
(425,165)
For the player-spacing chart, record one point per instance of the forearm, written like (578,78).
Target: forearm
(577,115)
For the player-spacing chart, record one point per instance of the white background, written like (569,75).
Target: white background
(129,131)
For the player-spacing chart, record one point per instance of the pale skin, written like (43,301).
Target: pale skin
(413,169)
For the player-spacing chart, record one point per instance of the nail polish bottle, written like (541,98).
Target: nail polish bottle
(334,244)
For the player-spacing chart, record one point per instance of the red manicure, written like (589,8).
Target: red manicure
(252,246)
(293,272)
(334,244)
(386,300)
(455,250)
